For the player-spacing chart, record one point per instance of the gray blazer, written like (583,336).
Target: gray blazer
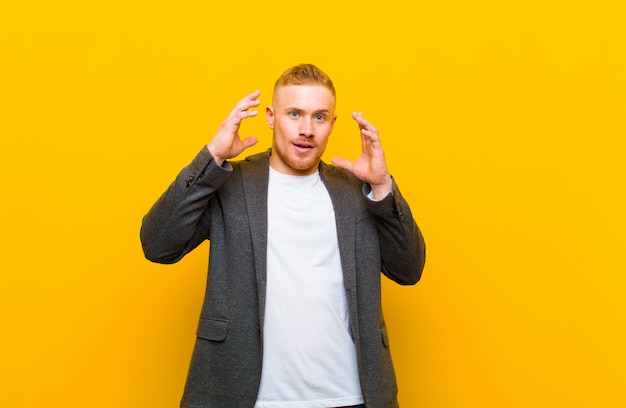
(228,206)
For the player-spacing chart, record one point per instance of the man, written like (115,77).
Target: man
(292,314)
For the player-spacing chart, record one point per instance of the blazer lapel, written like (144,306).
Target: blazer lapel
(255,177)
(344,208)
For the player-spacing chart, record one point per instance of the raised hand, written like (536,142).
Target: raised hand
(227,143)
(370,166)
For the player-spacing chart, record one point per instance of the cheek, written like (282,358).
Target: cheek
(325,129)
(285,128)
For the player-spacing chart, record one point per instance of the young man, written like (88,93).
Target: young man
(292,315)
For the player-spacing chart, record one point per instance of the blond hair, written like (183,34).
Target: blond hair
(303,74)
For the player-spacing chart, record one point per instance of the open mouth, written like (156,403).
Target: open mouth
(304,145)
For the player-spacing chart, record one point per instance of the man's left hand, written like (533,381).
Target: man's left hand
(370,166)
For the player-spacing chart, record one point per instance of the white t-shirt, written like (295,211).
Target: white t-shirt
(309,357)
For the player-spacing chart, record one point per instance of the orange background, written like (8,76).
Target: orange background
(503,123)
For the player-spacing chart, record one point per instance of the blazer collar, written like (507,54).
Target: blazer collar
(345,218)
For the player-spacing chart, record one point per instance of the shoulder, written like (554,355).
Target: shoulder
(336,174)
(342,185)
(253,163)
(258,160)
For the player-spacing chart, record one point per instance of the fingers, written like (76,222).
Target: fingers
(251,100)
(369,134)
(242,110)
(226,143)
(367,129)
(363,124)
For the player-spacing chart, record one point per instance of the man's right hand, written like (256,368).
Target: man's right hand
(226,143)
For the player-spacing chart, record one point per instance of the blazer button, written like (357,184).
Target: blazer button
(190,180)
(398,214)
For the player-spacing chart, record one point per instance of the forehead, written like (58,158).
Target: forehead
(307,96)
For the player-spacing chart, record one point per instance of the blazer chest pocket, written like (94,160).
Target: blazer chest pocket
(212,328)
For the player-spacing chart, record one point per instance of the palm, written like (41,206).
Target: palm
(370,166)
(227,143)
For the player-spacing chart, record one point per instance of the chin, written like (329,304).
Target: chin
(304,167)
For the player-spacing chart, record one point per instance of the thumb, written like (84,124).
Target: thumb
(249,141)
(343,163)
(242,145)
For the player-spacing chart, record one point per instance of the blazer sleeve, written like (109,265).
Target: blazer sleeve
(402,246)
(180,219)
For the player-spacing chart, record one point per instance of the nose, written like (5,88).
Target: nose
(306,128)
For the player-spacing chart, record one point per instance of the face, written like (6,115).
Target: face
(302,118)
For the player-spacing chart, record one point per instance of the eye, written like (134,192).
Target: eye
(320,117)
(293,114)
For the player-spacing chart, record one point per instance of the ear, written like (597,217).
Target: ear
(269,116)
(332,125)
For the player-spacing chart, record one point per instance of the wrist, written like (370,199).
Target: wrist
(382,190)
(218,160)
